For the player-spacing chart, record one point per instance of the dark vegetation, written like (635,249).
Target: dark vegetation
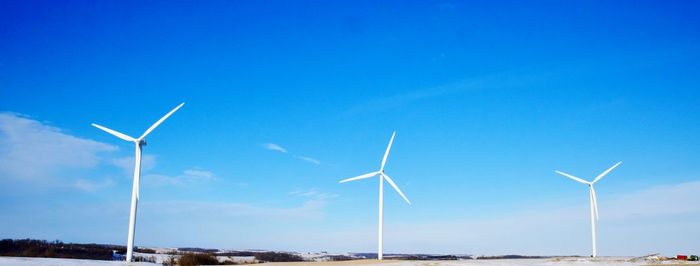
(265,256)
(56,249)
(340,258)
(425,257)
(209,258)
(237,253)
(144,250)
(189,256)
(277,257)
(198,250)
(510,257)
(366,255)
(150,259)
(193,259)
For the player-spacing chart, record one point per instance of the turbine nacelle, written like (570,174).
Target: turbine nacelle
(381,172)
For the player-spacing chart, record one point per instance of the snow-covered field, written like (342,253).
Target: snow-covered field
(615,261)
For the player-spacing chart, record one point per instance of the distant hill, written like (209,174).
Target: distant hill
(57,249)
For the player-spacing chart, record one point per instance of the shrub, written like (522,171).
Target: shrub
(277,257)
(150,259)
(171,261)
(340,258)
(144,250)
(194,259)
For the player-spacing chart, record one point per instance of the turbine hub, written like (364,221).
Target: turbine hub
(142,142)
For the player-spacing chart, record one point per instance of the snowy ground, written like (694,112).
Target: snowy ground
(614,261)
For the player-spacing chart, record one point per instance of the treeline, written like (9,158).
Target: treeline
(209,258)
(277,257)
(56,249)
(426,257)
(510,257)
(267,256)
(199,250)
(143,250)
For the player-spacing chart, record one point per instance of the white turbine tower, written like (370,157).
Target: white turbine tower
(593,200)
(382,176)
(141,141)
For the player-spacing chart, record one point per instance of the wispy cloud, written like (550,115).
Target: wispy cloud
(278,148)
(274,147)
(34,151)
(313,193)
(228,210)
(92,185)
(495,81)
(127,163)
(188,176)
(307,159)
(199,174)
(402,99)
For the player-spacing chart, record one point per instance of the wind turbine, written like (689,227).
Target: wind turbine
(593,200)
(382,177)
(139,142)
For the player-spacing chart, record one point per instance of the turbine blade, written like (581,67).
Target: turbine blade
(391,182)
(359,177)
(386,154)
(160,121)
(115,133)
(573,177)
(595,202)
(605,173)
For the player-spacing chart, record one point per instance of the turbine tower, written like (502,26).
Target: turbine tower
(593,200)
(139,142)
(382,176)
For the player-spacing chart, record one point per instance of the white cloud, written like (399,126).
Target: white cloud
(32,150)
(199,174)
(148,162)
(393,101)
(494,81)
(307,159)
(91,186)
(313,193)
(274,147)
(226,211)
(127,163)
(188,176)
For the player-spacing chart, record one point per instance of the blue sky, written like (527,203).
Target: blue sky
(487,98)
